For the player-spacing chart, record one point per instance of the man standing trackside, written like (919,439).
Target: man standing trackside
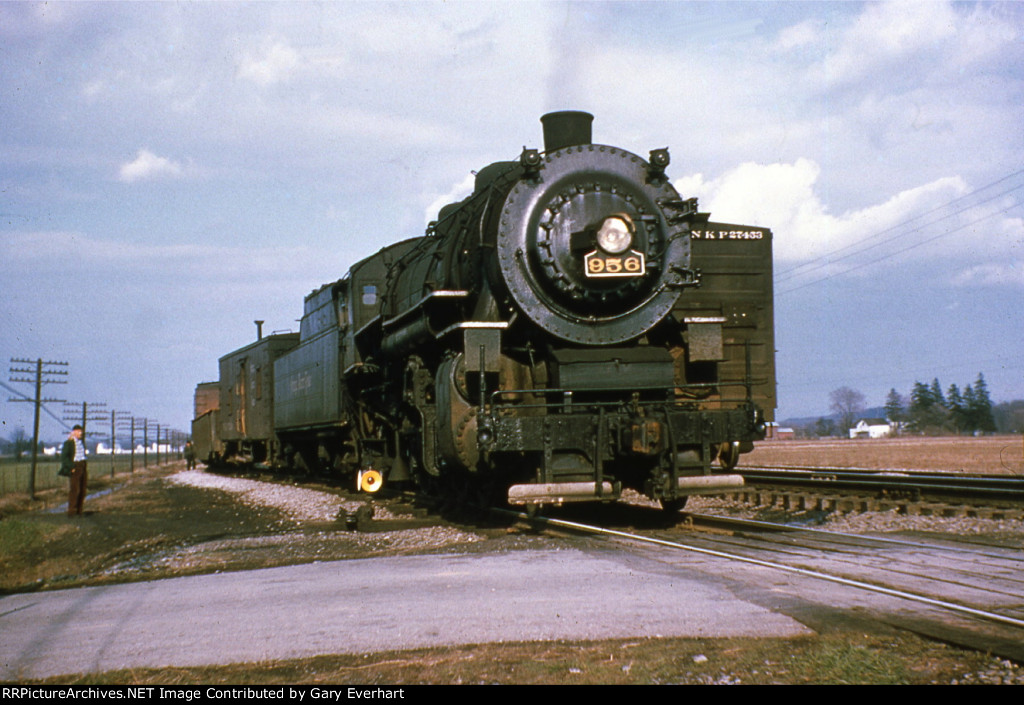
(73,465)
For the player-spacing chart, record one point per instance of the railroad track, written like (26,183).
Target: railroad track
(940,484)
(962,594)
(844,489)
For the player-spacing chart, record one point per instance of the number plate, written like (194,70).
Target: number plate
(628,264)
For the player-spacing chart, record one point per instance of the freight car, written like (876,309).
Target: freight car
(572,328)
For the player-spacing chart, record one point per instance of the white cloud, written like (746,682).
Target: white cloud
(778,196)
(985,34)
(277,63)
(806,33)
(67,251)
(896,46)
(93,88)
(937,220)
(147,165)
(888,33)
(1005,274)
(458,192)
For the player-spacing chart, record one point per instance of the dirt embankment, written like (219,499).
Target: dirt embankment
(140,516)
(167,522)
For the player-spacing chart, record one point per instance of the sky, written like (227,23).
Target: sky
(170,172)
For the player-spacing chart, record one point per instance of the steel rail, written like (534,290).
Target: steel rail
(889,476)
(889,472)
(891,592)
(818,478)
(860,537)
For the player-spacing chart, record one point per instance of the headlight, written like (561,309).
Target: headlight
(615,235)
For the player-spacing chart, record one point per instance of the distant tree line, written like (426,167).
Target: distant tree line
(19,444)
(1009,416)
(929,411)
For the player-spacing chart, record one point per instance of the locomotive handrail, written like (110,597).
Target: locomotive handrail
(495,403)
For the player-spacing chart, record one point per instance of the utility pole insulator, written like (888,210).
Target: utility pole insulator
(43,375)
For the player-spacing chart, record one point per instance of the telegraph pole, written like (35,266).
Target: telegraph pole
(113,437)
(41,378)
(125,424)
(132,464)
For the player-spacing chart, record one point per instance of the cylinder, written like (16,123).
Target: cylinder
(566,128)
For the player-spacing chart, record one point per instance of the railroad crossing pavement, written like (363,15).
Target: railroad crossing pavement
(369,605)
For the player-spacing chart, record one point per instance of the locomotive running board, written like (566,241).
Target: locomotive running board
(560,493)
(702,484)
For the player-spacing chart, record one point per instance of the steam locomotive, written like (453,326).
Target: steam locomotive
(572,328)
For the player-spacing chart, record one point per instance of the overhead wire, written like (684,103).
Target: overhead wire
(899,232)
(42,406)
(862,243)
(890,255)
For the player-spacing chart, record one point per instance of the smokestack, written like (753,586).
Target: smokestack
(259,330)
(566,128)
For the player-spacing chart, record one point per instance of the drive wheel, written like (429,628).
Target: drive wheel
(729,455)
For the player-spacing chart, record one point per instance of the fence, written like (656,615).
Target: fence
(14,474)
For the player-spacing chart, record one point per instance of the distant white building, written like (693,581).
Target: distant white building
(871,428)
(163,448)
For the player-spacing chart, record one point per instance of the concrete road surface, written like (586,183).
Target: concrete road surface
(360,606)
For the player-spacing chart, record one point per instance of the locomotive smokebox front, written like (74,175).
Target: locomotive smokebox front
(592,241)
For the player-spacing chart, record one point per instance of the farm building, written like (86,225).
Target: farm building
(871,428)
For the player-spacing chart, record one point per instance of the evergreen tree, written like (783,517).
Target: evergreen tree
(970,409)
(920,403)
(958,415)
(895,409)
(927,408)
(920,396)
(981,409)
